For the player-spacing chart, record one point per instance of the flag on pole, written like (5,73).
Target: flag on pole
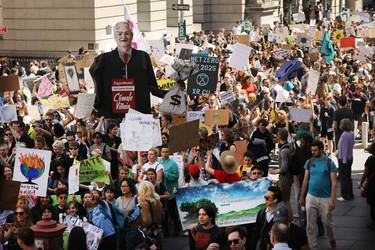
(138,42)
(327,48)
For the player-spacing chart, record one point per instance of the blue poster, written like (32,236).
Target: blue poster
(237,203)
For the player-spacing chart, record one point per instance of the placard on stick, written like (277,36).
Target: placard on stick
(184,136)
(216,117)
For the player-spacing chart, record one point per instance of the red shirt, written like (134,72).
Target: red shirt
(250,87)
(223,177)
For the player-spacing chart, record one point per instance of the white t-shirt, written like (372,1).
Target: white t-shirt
(157,166)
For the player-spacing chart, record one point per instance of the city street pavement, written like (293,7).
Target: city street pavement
(350,218)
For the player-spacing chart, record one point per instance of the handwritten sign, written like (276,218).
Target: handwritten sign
(85,104)
(157,48)
(138,131)
(227,96)
(73,179)
(216,117)
(165,84)
(45,88)
(93,170)
(195,115)
(33,111)
(312,81)
(31,168)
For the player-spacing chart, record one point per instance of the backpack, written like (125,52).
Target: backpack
(329,163)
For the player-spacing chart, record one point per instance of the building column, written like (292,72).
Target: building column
(152,17)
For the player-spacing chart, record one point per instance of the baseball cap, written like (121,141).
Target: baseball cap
(194,169)
(143,153)
(281,213)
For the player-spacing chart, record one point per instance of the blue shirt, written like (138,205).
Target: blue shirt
(170,175)
(102,220)
(320,178)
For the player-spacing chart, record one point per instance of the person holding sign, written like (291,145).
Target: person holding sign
(124,77)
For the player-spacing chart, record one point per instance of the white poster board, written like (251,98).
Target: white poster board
(73,179)
(157,48)
(240,56)
(71,77)
(180,163)
(227,96)
(195,115)
(138,131)
(85,104)
(300,115)
(33,111)
(312,81)
(31,168)
(8,113)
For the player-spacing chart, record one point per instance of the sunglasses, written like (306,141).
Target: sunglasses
(8,134)
(256,173)
(63,197)
(235,241)
(267,198)
(73,148)
(48,119)
(19,213)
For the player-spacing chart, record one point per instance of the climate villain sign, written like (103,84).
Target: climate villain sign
(203,82)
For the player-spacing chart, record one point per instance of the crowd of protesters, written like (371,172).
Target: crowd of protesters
(142,186)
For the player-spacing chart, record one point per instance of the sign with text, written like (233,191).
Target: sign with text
(93,170)
(31,168)
(216,117)
(237,203)
(85,104)
(165,84)
(203,82)
(123,95)
(138,132)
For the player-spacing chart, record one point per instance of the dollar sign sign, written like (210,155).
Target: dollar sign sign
(175,100)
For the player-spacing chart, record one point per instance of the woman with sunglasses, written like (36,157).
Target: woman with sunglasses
(100,147)
(9,139)
(23,218)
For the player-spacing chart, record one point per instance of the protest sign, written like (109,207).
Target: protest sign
(216,117)
(282,53)
(300,115)
(9,83)
(93,233)
(312,81)
(45,88)
(88,81)
(299,17)
(237,203)
(85,104)
(303,40)
(312,22)
(174,101)
(156,133)
(184,136)
(208,143)
(9,191)
(8,113)
(180,46)
(240,56)
(274,37)
(283,96)
(31,168)
(92,170)
(54,102)
(157,48)
(313,57)
(243,39)
(347,42)
(165,84)
(283,31)
(241,148)
(362,53)
(205,80)
(227,96)
(72,78)
(195,115)
(185,54)
(73,179)
(167,59)
(138,131)
(33,111)
(84,61)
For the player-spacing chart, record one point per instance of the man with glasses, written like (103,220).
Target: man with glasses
(236,237)
(264,220)
(255,173)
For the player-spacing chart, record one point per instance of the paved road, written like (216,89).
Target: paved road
(350,219)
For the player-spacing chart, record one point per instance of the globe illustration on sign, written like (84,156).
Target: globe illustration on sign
(32,166)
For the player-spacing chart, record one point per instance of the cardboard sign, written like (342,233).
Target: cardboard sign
(203,82)
(84,61)
(313,57)
(31,168)
(9,191)
(123,95)
(300,115)
(243,39)
(9,83)
(184,136)
(241,148)
(208,143)
(216,117)
(227,96)
(165,84)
